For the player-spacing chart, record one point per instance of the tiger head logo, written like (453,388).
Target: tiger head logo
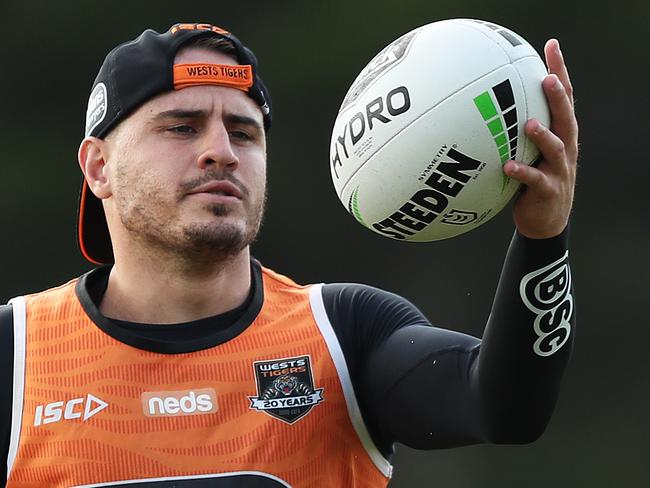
(285,384)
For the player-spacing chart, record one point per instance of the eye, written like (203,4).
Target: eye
(240,135)
(182,129)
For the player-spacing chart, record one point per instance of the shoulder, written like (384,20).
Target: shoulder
(6,383)
(366,316)
(6,325)
(359,294)
(55,290)
(367,302)
(352,296)
(6,332)
(276,279)
(346,303)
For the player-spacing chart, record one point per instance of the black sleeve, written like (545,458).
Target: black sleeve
(431,388)
(528,340)
(6,384)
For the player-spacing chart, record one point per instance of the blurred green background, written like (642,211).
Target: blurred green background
(310,52)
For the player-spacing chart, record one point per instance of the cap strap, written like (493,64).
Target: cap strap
(238,76)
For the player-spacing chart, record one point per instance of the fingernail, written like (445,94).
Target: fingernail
(534,125)
(556,83)
(511,167)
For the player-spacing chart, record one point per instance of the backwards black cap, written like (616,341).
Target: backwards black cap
(135,72)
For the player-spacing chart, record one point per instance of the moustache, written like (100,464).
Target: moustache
(218,175)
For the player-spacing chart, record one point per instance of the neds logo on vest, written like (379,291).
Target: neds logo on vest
(176,403)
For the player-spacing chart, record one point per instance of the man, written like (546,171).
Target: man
(184,362)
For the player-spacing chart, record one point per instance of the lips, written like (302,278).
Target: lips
(220,187)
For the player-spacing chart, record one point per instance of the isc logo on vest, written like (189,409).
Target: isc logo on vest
(78,408)
(175,403)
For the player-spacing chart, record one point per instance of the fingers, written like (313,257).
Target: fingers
(554,158)
(528,175)
(551,146)
(559,93)
(556,66)
(563,119)
(543,209)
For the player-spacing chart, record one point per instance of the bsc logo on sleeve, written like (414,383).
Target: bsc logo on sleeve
(285,388)
(547,293)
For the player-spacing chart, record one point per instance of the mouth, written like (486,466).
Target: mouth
(220,188)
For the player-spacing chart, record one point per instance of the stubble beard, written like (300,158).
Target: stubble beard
(223,240)
(147,223)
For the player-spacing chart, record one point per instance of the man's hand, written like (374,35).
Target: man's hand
(542,209)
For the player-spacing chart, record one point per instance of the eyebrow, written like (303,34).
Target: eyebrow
(197,114)
(180,114)
(243,120)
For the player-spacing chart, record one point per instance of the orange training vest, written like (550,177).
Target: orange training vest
(96,411)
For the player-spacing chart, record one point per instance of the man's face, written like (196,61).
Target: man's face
(187,169)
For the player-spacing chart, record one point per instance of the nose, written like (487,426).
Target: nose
(217,150)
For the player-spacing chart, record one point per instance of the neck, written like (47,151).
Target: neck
(159,291)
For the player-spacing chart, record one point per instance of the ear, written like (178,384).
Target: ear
(93,154)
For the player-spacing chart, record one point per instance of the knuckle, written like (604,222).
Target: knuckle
(546,189)
(537,178)
(559,150)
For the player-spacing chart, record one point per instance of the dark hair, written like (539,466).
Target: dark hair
(218,44)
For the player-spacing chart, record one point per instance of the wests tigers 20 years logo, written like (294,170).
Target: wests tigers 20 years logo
(285,388)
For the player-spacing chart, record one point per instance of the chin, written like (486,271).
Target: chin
(222,238)
(225,230)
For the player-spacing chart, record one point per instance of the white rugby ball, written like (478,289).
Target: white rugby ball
(421,137)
